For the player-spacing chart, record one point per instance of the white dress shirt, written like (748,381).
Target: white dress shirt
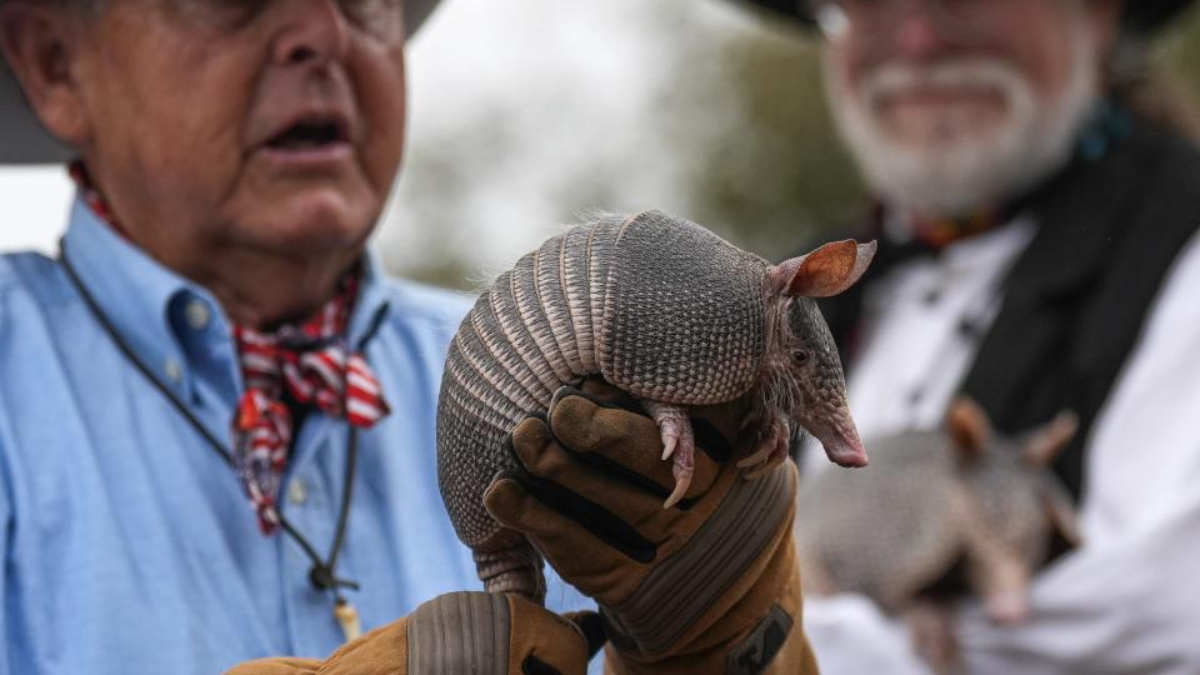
(1128,600)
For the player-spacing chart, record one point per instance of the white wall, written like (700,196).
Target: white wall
(33,208)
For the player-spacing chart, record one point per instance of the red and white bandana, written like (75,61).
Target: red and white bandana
(308,365)
(311,366)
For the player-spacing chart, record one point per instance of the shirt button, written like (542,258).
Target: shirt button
(174,370)
(297,492)
(197,314)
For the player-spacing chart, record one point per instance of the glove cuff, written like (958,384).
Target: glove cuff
(760,635)
(733,605)
(687,592)
(460,628)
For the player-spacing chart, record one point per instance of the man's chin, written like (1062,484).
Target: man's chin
(945,179)
(928,153)
(314,221)
(942,169)
(933,126)
(940,132)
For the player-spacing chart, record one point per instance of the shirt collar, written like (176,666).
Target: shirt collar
(372,305)
(159,313)
(132,290)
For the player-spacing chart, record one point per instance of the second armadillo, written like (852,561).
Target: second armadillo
(939,515)
(663,309)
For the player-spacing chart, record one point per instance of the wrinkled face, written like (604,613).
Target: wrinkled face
(951,105)
(817,368)
(274,125)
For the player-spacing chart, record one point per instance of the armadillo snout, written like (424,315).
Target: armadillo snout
(839,437)
(820,385)
(827,416)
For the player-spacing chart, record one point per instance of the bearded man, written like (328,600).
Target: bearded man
(1036,202)
(217,415)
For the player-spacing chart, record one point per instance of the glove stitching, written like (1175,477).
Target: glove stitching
(683,588)
(460,630)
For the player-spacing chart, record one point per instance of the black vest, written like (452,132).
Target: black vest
(1076,299)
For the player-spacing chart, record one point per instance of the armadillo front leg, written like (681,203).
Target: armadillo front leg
(772,449)
(678,444)
(932,631)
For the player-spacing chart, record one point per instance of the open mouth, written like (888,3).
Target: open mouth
(310,134)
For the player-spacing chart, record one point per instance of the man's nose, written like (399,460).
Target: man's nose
(312,30)
(918,35)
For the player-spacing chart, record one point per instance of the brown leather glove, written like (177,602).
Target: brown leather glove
(479,633)
(708,586)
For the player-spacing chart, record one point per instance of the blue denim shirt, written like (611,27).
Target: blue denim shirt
(128,544)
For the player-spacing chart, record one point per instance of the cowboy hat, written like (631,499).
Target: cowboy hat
(1140,15)
(24,141)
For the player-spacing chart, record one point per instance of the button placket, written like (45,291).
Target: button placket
(309,506)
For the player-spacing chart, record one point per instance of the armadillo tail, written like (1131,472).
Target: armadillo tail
(516,568)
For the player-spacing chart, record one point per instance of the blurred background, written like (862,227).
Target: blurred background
(525,115)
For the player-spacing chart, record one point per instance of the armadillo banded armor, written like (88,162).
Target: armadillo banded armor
(684,319)
(888,553)
(659,306)
(902,527)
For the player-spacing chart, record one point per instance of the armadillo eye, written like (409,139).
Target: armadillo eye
(800,356)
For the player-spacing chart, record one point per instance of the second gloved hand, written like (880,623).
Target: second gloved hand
(710,585)
(457,633)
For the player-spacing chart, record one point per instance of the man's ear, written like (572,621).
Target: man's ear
(40,40)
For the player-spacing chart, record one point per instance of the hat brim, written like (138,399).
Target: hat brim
(1144,16)
(23,140)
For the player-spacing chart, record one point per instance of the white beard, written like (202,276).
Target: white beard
(969,170)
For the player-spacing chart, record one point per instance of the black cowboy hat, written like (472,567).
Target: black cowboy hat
(24,141)
(1144,16)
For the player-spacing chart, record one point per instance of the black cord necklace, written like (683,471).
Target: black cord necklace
(322,574)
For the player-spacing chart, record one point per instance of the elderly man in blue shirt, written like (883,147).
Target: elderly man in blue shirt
(217,416)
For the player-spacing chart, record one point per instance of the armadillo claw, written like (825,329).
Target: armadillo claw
(777,456)
(681,488)
(762,469)
(760,455)
(684,468)
(673,426)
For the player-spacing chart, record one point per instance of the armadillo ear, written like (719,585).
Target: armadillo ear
(969,428)
(825,272)
(1061,513)
(1046,442)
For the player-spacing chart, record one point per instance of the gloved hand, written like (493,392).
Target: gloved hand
(457,633)
(708,586)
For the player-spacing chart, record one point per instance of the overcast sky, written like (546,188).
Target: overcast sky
(561,78)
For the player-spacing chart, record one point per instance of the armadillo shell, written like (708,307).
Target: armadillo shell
(659,306)
(888,532)
(685,320)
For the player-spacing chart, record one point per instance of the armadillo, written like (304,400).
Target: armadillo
(663,309)
(937,505)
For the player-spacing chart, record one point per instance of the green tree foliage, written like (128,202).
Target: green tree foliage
(737,135)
